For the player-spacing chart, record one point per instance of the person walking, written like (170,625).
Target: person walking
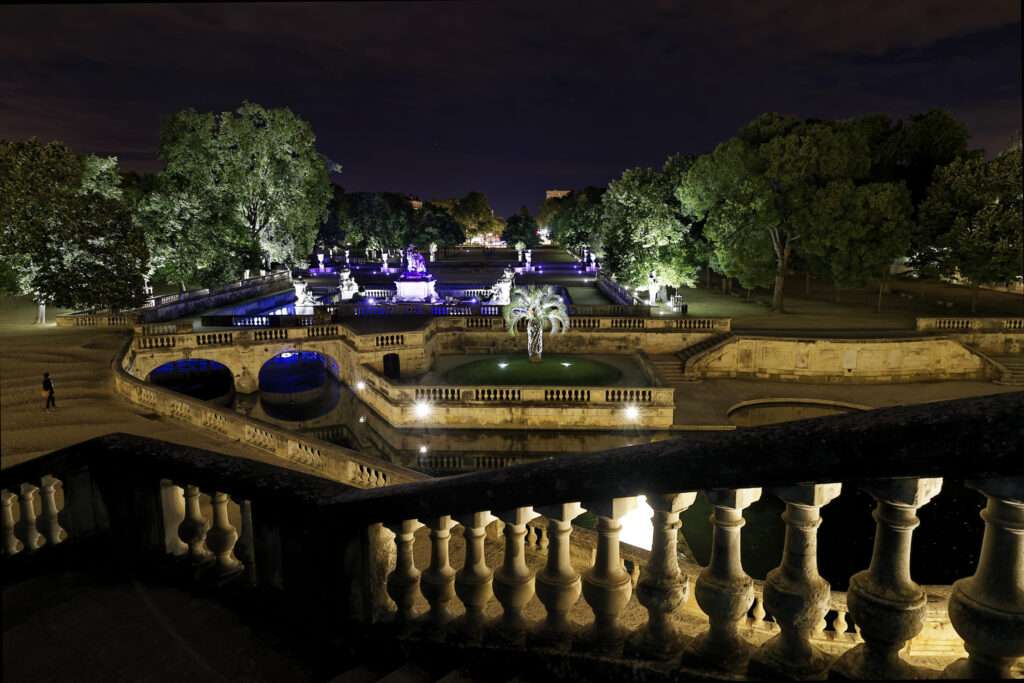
(51,402)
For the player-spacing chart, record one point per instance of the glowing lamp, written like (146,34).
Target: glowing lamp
(287,354)
(565,365)
(423,450)
(362,419)
(502,365)
(360,385)
(421,409)
(632,412)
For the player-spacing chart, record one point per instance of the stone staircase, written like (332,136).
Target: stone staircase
(672,368)
(1014,365)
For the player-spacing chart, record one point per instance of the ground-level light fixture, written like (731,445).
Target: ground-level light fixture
(423,450)
(632,412)
(360,385)
(421,409)
(362,419)
(502,365)
(566,365)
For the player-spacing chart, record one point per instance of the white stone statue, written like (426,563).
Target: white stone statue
(529,259)
(384,261)
(520,245)
(501,292)
(303,297)
(245,275)
(347,286)
(652,287)
(346,257)
(593,261)
(320,258)
(433,251)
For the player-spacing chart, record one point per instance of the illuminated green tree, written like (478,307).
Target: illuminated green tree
(539,307)
(255,172)
(66,234)
(975,208)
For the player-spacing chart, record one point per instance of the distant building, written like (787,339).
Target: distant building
(556,194)
(415,203)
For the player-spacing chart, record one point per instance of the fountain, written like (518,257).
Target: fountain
(415,284)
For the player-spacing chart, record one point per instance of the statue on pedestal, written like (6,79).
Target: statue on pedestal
(414,262)
(433,251)
(501,291)
(347,286)
(529,259)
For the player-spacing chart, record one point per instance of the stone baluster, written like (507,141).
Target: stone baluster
(404,581)
(987,609)
(607,586)
(795,594)
(52,529)
(172,505)
(758,613)
(245,549)
(558,584)
(884,601)
(438,581)
(473,583)
(723,590)
(839,626)
(222,536)
(26,527)
(514,582)
(663,589)
(194,527)
(12,546)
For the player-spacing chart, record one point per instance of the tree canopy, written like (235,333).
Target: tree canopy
(240,185)
(65,231)
(521,226)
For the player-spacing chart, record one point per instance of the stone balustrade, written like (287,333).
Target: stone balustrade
(331,461)
(350,554)
(970,324)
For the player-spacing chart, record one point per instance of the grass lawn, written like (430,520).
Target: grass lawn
(554,369)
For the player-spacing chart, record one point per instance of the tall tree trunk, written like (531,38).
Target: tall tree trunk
(778,295)
(881,289)
(41,313)
(534,340)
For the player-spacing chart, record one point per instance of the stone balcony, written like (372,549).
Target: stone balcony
(376,577)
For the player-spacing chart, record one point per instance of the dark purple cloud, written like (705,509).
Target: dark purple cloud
(441,98)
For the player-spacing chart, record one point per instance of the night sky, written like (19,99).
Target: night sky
(437,99)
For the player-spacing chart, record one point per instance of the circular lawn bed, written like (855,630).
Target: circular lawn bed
(554,369)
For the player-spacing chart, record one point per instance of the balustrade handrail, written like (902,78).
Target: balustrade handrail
(928,440)
(970,323)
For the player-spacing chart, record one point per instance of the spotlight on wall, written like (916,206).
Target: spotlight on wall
(421,409)
(360,385)
(423,450)
(632,412)
(362,419)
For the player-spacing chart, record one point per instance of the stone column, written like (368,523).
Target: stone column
(221,537)
(607,586)
(794,593)
(404,581)
(473,583)
(884,601)
(723,589)
(172,504)
(50,516)
(438,582)
(987,609)
(558,584)
(663,589)
(513,582)
(194,527)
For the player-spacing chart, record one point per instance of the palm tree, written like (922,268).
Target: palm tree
(537,306)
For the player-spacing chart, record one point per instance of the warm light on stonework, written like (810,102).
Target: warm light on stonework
(421,409)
